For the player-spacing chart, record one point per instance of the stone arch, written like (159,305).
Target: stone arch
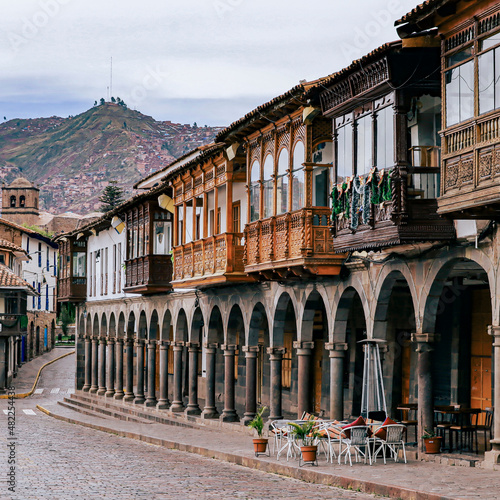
(197,325)
(258,323)
(130,325)
(154,329)
(215,332)
(120,334)
(167,332)
(104,327)
(142,327)
(285,316)
(95,328)
(112,326)
(13,201)
(235,330)
(314,303)
(181,327)
(81,325)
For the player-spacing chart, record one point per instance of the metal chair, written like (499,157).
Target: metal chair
(394,440)
(358,441)
(331,436)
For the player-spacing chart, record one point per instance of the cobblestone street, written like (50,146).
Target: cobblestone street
(58,460)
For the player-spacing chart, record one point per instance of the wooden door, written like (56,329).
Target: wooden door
(480,390)
(317,375)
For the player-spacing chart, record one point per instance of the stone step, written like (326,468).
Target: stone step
(97,410)
(82,410)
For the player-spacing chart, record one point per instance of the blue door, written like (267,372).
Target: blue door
(45,340)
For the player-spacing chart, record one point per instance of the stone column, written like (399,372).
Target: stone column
(251,382)
(163,402)
(119,369)
(493,457)
(229,412)
(425,415)
(151,396)
(94,387)
(110,358)
(193,408)
(129,359)
(276,361)
(337,354)
(304,355)
(102,367)
(210,410)
(177,403)
(88,364)
(139,393)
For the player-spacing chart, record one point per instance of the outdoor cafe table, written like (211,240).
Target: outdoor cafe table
(458,417)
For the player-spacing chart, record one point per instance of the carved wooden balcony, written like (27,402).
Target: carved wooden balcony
(72,289)
(392,208)
(293,244)
(213,260)
(148,274)
(471,169)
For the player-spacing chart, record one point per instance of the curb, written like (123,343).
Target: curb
(309,475)
(27,394)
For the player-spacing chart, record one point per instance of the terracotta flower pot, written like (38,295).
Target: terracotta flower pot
(433,445)
(260,446)
(309,453)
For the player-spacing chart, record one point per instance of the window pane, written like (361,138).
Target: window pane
(267,188)
(323,153)
(486,82)
(320,187)
(161,238)
(268,168)
(452,88)
(344,152)
(497,78)
(364,145)
(467,90)
(254,191)
(459,56)
(385,138)
(490,41)
(298,189)
(79,264)
(298,155)
(282,183)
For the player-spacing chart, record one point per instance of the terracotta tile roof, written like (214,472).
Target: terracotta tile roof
(355,65)
(296,91)
(422,10)
(11,246)
(8,279)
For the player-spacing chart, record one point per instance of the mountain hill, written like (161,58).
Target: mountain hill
(73,159)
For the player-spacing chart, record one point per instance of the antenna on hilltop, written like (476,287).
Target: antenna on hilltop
(111,78)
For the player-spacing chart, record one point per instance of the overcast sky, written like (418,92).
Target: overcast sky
(209,61)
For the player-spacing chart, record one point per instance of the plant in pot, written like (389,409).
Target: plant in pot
(431,441)
(307,435)
(257,423)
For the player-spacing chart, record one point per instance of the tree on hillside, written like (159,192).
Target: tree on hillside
(111,197)
(102,101)
(113,99)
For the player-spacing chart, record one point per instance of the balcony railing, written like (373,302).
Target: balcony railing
(72,289)
(297,240)
(388,207)
(471,169)
(148,274)
(216,258)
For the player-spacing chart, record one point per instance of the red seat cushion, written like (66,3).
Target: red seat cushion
(359,421)
(382,433)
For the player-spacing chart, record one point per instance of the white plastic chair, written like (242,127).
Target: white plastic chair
(329,439)
(393,441)
(359,442)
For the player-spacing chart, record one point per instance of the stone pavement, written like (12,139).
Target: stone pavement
(415,480)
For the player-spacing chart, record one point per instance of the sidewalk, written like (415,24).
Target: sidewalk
(415,480)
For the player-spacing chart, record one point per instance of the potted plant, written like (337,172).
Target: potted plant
(307,436)
(431,441)
(257,423)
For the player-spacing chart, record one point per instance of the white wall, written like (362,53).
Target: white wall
(108,240)
(39,273)
(240,194)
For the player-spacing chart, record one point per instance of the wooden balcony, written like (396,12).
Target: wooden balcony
(293,244)
(72,289)
(148,274)
(405,212)
(213,260)
(471,169)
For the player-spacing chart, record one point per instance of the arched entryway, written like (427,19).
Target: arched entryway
(180,362)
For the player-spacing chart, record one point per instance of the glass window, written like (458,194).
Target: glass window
(79,264)
(458,57)
(385,138)
(489,80)
(267,187)
(161,234)
(282,183)
(459,87)
(254,191)
(344,152)
(323,153)
(364,161)
(298,177)
(320,187)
